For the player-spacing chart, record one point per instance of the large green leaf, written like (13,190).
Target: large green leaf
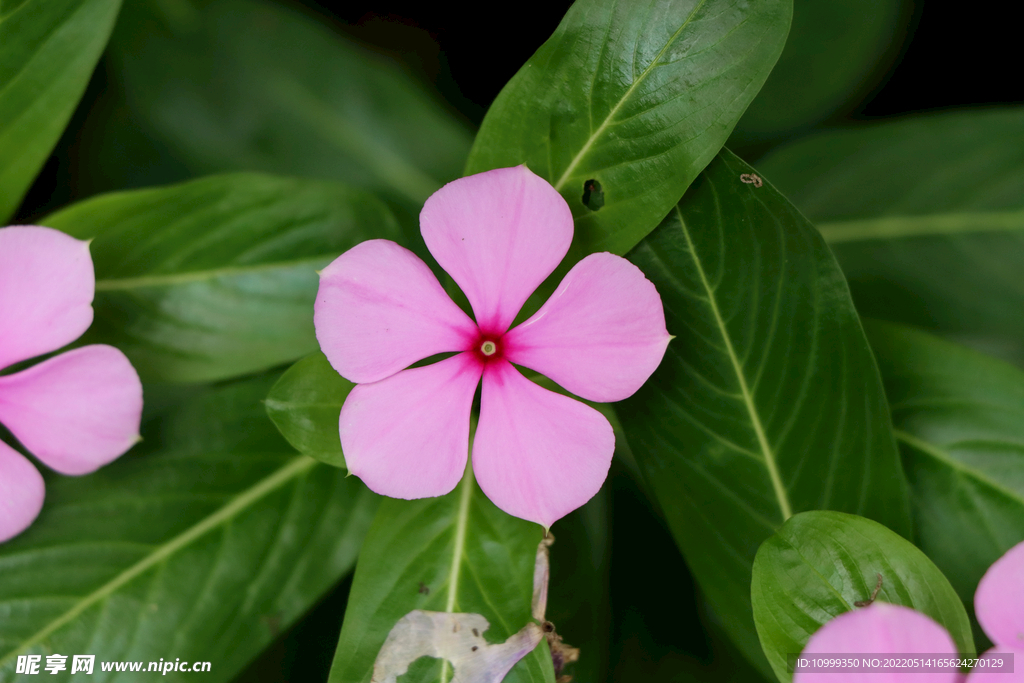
(768,402)
(456,553)
(48,49)
(305,405)
(201,544)
(217,277)
(926,217)
(835,53)
(251,85)
(959,419)
(638,96)
(821,564)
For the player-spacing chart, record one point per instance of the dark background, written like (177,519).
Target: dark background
(950,57)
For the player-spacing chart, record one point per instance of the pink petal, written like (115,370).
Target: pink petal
(600,335)
(995,668)
(498,234)
(879,629)
(407,436)
(21,493)
(537,455)
(77,411)
(380,309)
(999,600)
(46,289)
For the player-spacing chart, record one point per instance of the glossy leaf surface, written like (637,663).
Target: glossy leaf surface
(455,553)
(926,217)
(305,404)
(768,401)
(819,564)
(834,55)
(217,277)
(959,420)
(48,50)
(638,96)
(203,543)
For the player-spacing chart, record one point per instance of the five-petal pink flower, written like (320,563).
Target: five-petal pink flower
(76,411)
(882,628)
(537,454)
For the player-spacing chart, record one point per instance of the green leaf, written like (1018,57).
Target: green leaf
(203,543)
(456,553)
(48,49)
(305,404)
(926,217)
(959,419)
(217,277)
(768,402)
(638,96)
(247,85)
(819,564)
(835,54)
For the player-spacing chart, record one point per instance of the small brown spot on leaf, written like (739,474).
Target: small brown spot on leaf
(424,589)
(874,594)
(751,179)
(272,622)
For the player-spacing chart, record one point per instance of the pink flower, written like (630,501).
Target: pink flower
(76,411)
(405,432)
(882,628)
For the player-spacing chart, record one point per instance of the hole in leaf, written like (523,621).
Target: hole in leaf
(593,195)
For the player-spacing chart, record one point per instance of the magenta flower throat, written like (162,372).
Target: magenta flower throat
(405,431)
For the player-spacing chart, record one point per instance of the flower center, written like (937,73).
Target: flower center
(488,348)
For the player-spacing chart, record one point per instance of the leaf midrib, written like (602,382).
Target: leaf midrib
(937,453)
(284,406)
(888,227)
(622,100)
(170,279)
(239,503)
(769,457)
(458,551)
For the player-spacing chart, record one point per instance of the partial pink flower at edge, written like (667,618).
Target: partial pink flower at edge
(537,455)
(879,629)
(883,628)
(999,606)
(76,411)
